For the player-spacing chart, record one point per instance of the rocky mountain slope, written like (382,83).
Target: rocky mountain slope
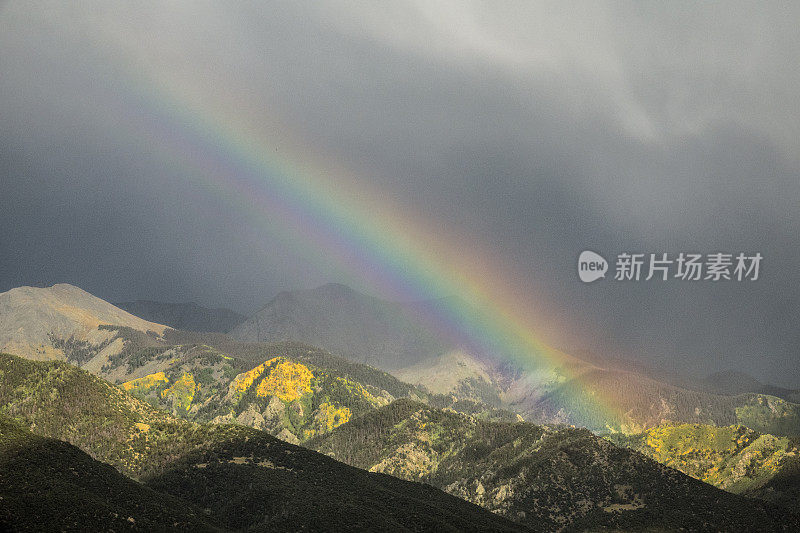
(294,391)
(547,478)
(241,477)
(457,373)
(185,316)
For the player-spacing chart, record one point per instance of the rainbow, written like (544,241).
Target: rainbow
(325,213)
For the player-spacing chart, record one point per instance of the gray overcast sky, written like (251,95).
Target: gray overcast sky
(534,130)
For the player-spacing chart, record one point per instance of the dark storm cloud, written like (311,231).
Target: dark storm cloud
(537,130)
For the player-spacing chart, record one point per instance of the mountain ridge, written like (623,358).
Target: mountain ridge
(547,477)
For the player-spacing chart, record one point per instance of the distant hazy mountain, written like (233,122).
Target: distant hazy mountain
(387,335)
(602,399)
(731,382)
(546,478)
(186,316)
(560,388)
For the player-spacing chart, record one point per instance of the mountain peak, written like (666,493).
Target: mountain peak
(335,289)
(364,328)
(31,317)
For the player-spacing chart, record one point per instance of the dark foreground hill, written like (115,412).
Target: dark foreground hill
(241,477)
(46,484)
(547,478)
(254,481)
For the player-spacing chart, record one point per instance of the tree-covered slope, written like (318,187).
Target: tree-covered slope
(733,458)
(241,477)
(282,396)
(296,392)
(46,484)
(545,477)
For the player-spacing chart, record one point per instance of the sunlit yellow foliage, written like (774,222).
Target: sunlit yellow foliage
(243,381)
(146,383)
(727,456)
(334,416)
(182,391)
(287,380)
(142,427)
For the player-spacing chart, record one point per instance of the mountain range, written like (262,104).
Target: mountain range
(562,389)
(194,416)
(241,478)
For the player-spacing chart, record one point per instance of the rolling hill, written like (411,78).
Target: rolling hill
(283,396)
(543,478)
(291,390)
(640,403)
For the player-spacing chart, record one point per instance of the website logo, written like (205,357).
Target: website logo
(717,266)
(591,266)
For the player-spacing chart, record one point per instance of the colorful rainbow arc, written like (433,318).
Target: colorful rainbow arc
(327,212)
